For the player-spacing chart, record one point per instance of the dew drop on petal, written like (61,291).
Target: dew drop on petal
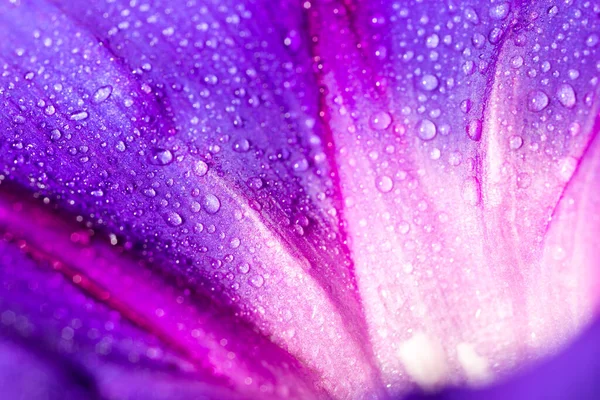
(384,184)
(241,145)
(515,142)
(174,219)
(566,95)
(257,281)
(537,100)
(79,116)
(592,40)
(200,168)
(428,82)
(211,203)
(566,168)
(162,157)
(102,94)
(426,129)
(380,121)
(499,11)
(474,129)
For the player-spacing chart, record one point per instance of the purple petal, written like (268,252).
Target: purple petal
(457,128)
(190,133)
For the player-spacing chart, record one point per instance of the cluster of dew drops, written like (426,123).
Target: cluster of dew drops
(432,78)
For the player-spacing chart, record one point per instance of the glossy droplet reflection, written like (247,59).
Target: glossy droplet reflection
(537,100)
(211,204)
(380,121)
(426,129)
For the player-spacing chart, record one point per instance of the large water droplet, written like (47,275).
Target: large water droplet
(79,116)
(384,183)
(426,129)
(566,95)
(380,121)
(428,82)
(174,219)
(257,281)
(102,94)
(162,157)
(200,168)
(515,142)
(241,145)
(474,129)
(499,11)
(211,203)
(537,100)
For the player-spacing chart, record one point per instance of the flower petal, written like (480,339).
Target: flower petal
(456,131)
(189,132)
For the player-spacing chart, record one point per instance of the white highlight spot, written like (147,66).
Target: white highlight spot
(476,367)
(425,361)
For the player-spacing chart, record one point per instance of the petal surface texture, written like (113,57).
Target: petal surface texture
(460,132)
(188,133)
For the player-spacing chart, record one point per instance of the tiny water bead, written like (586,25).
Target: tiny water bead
(79,116)
(474,129)
(566,95)
(102,94)
(211,203)
(499,11)
(173,218)
(162,157)
(537,100)
(428,82)
(384,184)
(380,121)
(426,129)
(241,145)
(515,142)
(200,168)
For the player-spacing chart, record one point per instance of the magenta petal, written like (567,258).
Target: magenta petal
(457,128)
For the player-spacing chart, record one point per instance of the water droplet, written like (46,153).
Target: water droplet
(515,142)
(499,11)
(234,243)
(162,157)
(428,82)
(200,168)
(241,145)
(566,168)
(471,15)
(300,165)
(552,11)
(55,134)
(426,129)
(174,219)
(516,62)
(380,121)
(120,146)
(537,100)
(257,281)
(592,40)
(79,116)
(384,184)
(474,129)
(566,95)
(211,203)
(102,94)
(244,268)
